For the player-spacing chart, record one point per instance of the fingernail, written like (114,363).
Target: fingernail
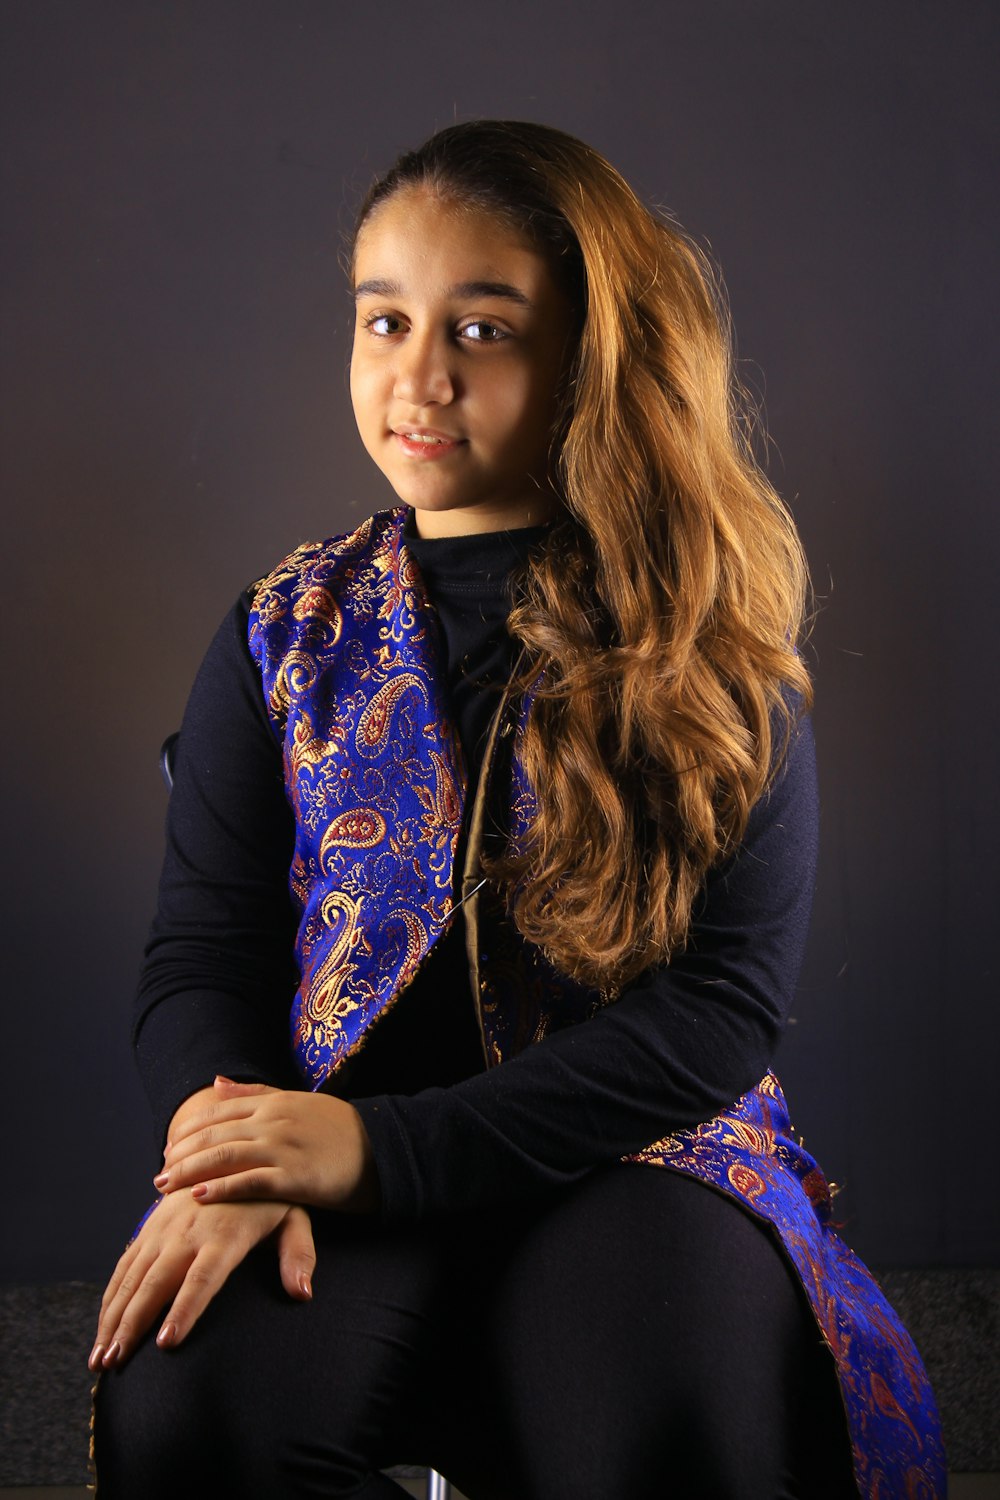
(200,1191)
(95,1356)
(161,1179)
(166,1335)
(113,1352)
(221,1078)
(305,1285)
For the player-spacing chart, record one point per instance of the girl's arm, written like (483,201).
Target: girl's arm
(216,986)
(214,996)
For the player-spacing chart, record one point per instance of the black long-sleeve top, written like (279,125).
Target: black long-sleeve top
(682,1042)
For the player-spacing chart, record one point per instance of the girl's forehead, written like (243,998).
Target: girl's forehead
(424,202)
(419,223)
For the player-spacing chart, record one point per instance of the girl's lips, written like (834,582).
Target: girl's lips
(423,442)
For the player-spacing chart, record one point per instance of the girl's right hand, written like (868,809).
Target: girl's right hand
(182,1255)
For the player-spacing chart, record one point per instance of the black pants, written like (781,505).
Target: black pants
(638,1336)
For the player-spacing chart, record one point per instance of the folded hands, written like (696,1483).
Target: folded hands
(242,1163)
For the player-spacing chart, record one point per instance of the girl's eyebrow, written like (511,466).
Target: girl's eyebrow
(378,287)
(489,289)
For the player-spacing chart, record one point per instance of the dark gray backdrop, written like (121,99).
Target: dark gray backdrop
(175,418)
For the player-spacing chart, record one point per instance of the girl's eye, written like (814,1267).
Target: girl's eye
(383,324)
(481,332)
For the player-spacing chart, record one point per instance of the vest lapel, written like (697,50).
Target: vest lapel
(348,649)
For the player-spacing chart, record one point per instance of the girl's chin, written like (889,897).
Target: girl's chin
(463,520)
(457,521)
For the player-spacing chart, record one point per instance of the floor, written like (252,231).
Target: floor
(960,1487)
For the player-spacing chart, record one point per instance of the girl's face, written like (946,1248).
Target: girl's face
(460,339)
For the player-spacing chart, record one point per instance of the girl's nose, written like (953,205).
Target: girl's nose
(423,371)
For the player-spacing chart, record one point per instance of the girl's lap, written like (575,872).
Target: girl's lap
(265,1388)
(644,1336)
(639,1325)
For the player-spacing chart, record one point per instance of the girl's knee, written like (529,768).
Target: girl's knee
(147,1441)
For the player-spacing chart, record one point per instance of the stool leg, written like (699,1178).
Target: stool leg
(438,1487)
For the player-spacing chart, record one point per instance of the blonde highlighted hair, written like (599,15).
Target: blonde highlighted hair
(659,621)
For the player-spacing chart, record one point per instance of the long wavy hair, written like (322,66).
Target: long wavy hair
(659,620)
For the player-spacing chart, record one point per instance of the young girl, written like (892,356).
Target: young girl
(509,795)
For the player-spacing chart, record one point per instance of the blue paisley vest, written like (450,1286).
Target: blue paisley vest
(350,661)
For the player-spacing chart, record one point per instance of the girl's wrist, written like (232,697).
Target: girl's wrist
(365,1196)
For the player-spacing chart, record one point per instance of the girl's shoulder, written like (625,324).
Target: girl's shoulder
(334,602)
(321,564)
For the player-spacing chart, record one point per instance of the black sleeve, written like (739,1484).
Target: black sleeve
(680,1044)
(216,986)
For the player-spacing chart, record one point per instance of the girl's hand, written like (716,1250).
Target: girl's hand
(256,1142)
(182,1255)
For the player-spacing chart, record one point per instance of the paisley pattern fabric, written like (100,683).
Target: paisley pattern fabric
(749,1153)
(350,658)
(374,775)
(351,664)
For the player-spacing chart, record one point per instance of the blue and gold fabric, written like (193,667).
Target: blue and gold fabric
(351,664)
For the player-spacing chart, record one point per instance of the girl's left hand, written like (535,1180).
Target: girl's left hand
(259,1142)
